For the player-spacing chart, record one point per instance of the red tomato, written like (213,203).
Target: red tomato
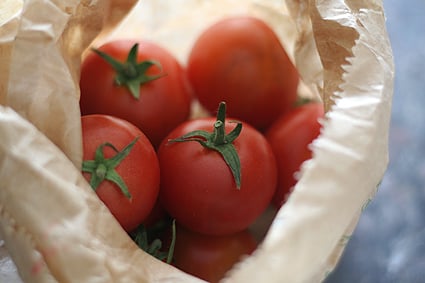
(210,257)
(290,137)
(163,103)
(241,61)
(139,169)
(198,188)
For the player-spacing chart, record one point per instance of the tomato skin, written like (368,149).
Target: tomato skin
(139,170)
(210,257)
(241,61)
(198,188)
(164,103)
(289,138)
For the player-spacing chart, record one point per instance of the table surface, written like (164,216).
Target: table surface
(388,244)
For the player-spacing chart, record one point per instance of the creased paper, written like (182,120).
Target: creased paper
(343,54)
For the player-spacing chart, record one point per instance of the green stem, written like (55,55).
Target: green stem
(219,141)
(142,237)
(102,168)
(131,74)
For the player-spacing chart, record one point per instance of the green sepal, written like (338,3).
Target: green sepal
(219,141)
(131,74)
(141,237)
(102,168)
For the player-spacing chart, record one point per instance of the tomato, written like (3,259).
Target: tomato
(160,81)
(200,190)
(139,170)
(210,257)
(241,61)
(290,137)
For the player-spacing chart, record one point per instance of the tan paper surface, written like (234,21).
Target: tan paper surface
(52,223)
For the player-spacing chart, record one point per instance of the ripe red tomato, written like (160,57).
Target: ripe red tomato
(164,101)
(241,61)
(200,191)
(210,257)
(290,137)
(139,170)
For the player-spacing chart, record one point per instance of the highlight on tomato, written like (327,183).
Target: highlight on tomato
(217,176)
(290,137)
(240,60)
(138,81)
(122,167)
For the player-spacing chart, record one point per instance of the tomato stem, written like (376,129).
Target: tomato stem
(219,141)
(219,136)
(131,74)
(101,171)
(102,168)
(173,242)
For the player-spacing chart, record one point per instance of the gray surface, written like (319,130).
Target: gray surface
(389,242)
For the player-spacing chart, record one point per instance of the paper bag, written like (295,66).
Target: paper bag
(54,227)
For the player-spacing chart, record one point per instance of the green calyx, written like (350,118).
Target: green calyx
(102,168)
(131,74)
(142,237)
(219,141)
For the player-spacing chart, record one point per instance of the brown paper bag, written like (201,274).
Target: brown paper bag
(54,227)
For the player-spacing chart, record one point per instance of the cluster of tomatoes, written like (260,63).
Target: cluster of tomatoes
(147,158)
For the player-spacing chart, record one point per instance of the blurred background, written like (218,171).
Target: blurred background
(388,244)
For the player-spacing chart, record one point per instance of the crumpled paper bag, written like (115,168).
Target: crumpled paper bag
(54,227)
